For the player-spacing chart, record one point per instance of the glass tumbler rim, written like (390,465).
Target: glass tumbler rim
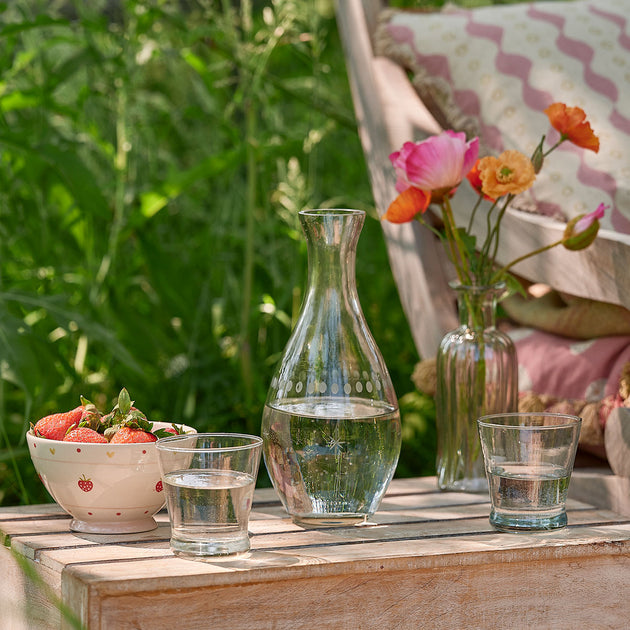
(331,212)
(563,420)
(170,443)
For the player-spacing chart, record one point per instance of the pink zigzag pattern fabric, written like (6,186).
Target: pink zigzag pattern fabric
(438,66)
(503,65)
(518,66)
(580,51)
(618,20)
(584,53)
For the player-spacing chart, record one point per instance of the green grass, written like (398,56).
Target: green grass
(153,157)
(152,164)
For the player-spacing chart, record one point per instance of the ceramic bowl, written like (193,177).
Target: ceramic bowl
(106,488)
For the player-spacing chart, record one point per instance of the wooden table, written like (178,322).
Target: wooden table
(430,560)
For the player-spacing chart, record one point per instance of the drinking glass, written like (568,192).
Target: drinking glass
(528,460)
(209,481)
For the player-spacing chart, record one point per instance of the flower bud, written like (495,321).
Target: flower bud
(582,230)
(538,157)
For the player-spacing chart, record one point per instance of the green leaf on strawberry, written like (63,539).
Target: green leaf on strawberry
(91,416)
(124,414)
(174,429)
(124,402)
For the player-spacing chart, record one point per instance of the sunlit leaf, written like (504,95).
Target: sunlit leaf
(39,22)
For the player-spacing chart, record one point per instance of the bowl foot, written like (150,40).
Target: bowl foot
(126,527)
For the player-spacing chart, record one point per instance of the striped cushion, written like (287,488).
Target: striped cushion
(491,71)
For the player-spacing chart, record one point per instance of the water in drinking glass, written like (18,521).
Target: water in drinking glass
(209,481)
(209,510)
(528,495)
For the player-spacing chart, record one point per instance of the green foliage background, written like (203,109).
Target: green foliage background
(153,157)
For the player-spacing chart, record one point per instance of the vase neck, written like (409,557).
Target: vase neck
(332,237)
(477,305)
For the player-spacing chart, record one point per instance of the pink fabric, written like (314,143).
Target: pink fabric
(570,368)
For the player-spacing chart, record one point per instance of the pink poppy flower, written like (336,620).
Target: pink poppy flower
(437,164)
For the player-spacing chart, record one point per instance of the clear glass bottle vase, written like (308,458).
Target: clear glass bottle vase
(477,374)
(331,424)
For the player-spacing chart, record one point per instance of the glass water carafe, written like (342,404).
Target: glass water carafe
(331,424)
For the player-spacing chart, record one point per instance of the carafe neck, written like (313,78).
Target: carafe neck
(332,237)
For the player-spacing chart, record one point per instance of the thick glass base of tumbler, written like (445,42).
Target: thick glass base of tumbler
(527,521)
(199,549)
(309,521)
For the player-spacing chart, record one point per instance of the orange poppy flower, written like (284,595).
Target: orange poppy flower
(408,203)
(474,178)
(510,173)
(572,124)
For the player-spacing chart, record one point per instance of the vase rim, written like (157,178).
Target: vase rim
(456,284)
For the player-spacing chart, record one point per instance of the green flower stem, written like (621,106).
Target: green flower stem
(486,263)
(473,213)
(497,275)
(437,233)
(491,243)
(461,262)
(493,237)
(453,253)
(555,146)
(447,241)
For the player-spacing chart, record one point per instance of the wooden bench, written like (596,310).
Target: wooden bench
(430,559)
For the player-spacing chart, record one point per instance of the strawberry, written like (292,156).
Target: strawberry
(128,435)
(85,434)
(55,426)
